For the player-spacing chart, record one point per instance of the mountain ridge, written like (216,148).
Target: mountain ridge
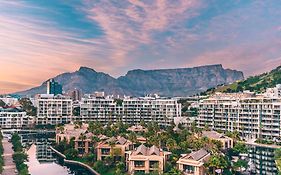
(138,82)
(257,83)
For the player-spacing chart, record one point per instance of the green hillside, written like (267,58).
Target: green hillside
(257,83)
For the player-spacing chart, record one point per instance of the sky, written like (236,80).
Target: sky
(41,39)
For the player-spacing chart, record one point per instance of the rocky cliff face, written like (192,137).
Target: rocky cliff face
(166,82)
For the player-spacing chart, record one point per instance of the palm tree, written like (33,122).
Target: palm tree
(174,171)
(171,144)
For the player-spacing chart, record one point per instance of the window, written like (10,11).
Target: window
(188,168)
(153,164)
(139,163)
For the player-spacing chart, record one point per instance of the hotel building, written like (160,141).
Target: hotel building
(253,115)
(146,159)
(13,118)
(193,163)
(130,110)
(53,109)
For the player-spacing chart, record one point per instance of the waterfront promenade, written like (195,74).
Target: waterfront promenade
(9,165)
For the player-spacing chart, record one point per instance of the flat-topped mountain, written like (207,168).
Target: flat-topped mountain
(166,82)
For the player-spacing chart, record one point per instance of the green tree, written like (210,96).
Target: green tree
(2,104)
(171,144)
(100,167)
(28,106)
(240,147)
(240,164)
(71,153)
(277,154)
(217,162)
(120,168)
(173,171)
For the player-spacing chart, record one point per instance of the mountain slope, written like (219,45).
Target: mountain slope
(166,82)
(178,82)
(256,84)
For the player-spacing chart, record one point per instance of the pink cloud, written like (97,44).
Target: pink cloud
(132,25)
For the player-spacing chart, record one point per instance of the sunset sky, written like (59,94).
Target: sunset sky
(40,39)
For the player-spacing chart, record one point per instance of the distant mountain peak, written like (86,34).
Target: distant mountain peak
(86,69)
(138,82)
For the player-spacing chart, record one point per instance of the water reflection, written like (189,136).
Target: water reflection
(39,165)
(42,161)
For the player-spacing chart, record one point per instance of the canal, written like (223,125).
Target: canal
(42,160)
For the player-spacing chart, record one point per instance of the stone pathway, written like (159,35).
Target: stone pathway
(9,165)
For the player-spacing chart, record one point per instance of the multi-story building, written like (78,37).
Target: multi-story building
(130,110)
(75,94)
(193,163)
(54,87)
(114,147)
(261,160)
(13,118)
(53,109)
(146,160)
(227,142)
(253,115)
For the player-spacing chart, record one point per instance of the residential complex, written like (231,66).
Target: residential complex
(12,118)
(114,146)
(193,163)
(130,110)
(227,142)
(53,109)
(146,159)
(253,115)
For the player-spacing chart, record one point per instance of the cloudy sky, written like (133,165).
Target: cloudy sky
(40,39)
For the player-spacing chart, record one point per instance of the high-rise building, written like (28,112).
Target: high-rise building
(54,87)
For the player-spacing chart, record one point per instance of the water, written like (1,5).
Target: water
(42,160)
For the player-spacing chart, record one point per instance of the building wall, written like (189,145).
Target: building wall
(54,110)
(255,117)
(131,111)
(12,119)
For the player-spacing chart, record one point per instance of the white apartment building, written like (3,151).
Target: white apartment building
(13,118)
(9,100)
(254,116)
(53,109)
(130,110)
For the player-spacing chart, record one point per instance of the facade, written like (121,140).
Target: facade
(193,163)
(115,146)
(130,110)
(75,94)
(54,87)
(145,159)
(137,129)
(227,142)
(81,138)
(53,109)
(8,100)
(261,160)
(254,116)
(13,118)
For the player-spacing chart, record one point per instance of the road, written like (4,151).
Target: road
(9,165)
